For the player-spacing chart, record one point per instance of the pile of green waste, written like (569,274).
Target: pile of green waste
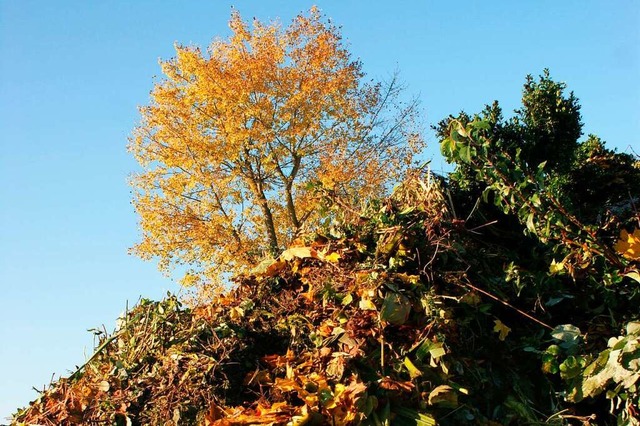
(401,316)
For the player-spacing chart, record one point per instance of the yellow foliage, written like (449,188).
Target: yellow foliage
(235,140)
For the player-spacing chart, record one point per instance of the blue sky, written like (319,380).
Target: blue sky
(73,72)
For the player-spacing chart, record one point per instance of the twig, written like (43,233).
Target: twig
(497,299)
(482,226)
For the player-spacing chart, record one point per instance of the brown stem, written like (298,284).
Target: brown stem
(497,299)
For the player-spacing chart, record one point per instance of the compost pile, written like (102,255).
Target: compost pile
(400,315)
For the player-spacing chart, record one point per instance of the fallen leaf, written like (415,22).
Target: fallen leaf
(367,305)
(333,257)
(443,395)
(501,329)
(629,244)
(298,252)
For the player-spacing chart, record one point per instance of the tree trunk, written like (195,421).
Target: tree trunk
(267,216)
(291,208)
(269,225)
(256,184)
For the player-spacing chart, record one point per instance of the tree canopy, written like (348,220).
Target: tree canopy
(235,141)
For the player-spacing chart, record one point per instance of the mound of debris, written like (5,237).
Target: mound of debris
(376,323)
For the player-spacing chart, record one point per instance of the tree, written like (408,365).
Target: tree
(589,178)
(234,142)
(546,128)
(549,123)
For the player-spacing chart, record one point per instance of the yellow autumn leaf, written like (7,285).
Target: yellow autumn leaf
(299,252)
(333,257)
(411,368)
(629,244)
(501,329)
(236,313)
(556,267)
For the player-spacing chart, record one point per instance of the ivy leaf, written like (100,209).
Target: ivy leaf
(568,334)
(395,308)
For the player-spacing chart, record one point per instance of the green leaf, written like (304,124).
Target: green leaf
(435,349)
(600,373)
(395,308)
(413,417)
(457,137)
(347,299)
(530,225)
(535,200)
(480,125)
(567,333)
(464,153)
(325,396)
(570,368)
(447,147)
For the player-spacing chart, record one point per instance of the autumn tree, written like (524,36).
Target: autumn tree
(235,141)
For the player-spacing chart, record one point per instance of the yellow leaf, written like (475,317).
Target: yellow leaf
(634,275)
(437,350)
(286,385)
(556,267)
(629,244)
(332,257)
(236,313)
(502,329)
(298,252)
(268,268)
(411,368)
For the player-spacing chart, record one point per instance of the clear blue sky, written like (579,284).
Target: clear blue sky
(73,72)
